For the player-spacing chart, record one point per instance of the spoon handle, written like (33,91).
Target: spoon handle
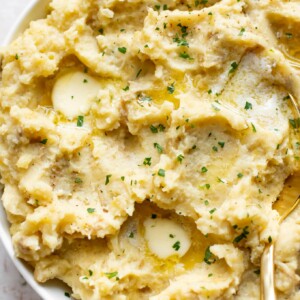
(267,289)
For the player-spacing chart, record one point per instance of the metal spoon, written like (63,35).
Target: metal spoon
(285,205)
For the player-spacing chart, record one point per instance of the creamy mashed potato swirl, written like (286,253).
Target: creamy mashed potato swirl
(143,144)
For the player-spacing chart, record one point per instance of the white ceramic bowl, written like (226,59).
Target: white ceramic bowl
(54,290)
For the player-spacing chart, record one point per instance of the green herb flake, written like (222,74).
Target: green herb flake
(138,73)
(85,81)
(153,216)
(180,157)
(122,178)
(161,127)
(209,257)
(16,56)
(253,127)
(111,275)
(67,295)
(212,211)
(242,236)
(153,129)
(131,235)
(101,31)
(122,50)
(221,144)
(286,98)
(210,13)
(270,239)
(80,121)
(206,202)
(209,91)
(215,148)
(78,180)
(204,170)
(165,7)
(147,161)
(257,272)
(107,179)
(171,236)
(241,31)
(44,141)
(171,88)
(158,148)
(185,55)
(157,7)
(176,246)
(240,175)
(91,273)
(295,123)
(181,42)
(91,210)
(248,105)
(161,173)
(126,88)
(233,68)
(210,274)
(288,35)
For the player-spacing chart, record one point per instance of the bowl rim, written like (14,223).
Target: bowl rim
(34,10)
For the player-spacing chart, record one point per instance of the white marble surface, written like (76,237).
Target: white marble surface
(12,285)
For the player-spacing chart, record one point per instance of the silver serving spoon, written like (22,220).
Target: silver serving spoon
(285,205)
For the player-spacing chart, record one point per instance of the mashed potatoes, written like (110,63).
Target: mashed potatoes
(144,142)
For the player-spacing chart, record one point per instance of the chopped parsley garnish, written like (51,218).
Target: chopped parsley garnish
(215,148)
(210,274)
(248,105)
(270,239)
(212,211)
(185,55)
(161,173)
(17,57)
(295,123)
(158,147)
(181,42)
(78,180)
(206,202)
(176,246)
(91,210)
(122,178)
(80,121)
(253,127)
(286,98)
(221,144)
(234,66)
(101,31)
(180,157)
(242,236)
(90,272)
(209,257)
(122,50)
(240,175)
(44,141)
(257,272)
(67,295)
(131,235)
(183,30)
(107,179)
(126,88)
(153,216)
(171,88)
(147,161)
(157,7)
(153,129)
(138,73)
(288,35)
(242,31)
(111,275)
(207,186)
(171,236)
(204,170)
(85,81)
(165,7)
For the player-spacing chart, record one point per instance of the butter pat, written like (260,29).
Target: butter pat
(166,238)
(74,92)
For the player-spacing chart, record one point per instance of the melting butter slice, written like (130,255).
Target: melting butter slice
(166,238)
(73,93)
